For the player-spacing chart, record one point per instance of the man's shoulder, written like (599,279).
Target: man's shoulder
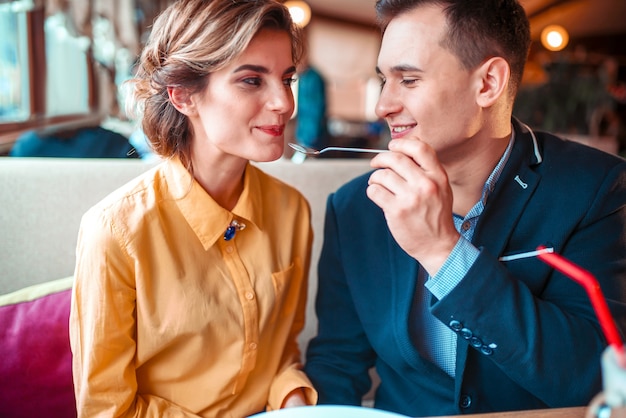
(559,151)
(352,195)
(356,185)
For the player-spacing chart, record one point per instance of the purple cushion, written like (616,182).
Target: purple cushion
(36,361)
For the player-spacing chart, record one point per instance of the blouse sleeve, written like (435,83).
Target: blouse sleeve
(103,327)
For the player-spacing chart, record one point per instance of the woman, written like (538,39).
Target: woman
(191,280)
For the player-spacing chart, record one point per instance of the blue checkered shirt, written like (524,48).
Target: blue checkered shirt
(433,339)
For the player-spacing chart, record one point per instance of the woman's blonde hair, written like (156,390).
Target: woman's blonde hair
(190,40)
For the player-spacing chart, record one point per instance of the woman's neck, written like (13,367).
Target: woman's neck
(222,180)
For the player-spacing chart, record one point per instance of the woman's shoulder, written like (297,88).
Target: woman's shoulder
(138,195)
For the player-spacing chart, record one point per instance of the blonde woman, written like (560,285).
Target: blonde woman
(191,280)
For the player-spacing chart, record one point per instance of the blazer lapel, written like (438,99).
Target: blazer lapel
(513,190)
(504,207)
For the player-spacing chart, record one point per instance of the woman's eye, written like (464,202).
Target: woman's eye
(289,81)
(253,81)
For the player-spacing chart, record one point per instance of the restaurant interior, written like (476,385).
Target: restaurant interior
(63,62)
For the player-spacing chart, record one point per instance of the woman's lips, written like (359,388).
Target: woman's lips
(274,130)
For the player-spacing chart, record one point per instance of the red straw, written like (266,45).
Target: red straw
(589,282)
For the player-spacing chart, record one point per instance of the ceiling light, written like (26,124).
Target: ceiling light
(554,37)
(300,12)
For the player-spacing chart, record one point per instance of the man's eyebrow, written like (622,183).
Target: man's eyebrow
(401,68)
(261,69)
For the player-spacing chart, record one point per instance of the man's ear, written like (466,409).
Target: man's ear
(182,100)
(494,76)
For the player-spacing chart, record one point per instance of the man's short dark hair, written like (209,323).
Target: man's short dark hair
(477,30)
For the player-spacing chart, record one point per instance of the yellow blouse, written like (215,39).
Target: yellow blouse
(169,319)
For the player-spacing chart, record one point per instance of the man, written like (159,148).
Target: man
(427,270)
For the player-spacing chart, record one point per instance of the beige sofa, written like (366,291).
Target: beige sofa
(41,203)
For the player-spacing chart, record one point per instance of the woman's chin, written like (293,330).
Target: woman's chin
(266,157)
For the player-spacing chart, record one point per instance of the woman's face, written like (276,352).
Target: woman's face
(244,108)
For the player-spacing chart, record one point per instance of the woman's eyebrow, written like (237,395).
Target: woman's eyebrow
(251,67)
(261,69)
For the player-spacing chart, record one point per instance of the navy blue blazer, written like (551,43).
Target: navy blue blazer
(528,336)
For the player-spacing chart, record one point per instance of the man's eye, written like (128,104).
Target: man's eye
(289,81)
(409,81)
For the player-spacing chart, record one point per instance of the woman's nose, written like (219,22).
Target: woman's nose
(281,100)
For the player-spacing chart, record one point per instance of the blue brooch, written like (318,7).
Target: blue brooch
(232,229)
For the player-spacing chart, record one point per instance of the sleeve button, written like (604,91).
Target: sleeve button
(456,325)
(467,333)
(466,401)
(476,342)
(486,350)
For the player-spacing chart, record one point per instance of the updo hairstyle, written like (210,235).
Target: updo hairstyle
(190,40)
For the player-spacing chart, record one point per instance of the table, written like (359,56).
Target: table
(576,412)
(331,411)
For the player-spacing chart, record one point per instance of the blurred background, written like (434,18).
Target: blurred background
(62,62)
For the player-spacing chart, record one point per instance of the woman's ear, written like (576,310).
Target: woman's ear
(182,100)
(495,74)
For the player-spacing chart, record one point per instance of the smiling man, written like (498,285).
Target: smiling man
(427,272)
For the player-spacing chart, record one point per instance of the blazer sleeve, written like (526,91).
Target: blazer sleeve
(339,357)
(102,328)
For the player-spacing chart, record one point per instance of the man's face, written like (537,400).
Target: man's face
(426,92)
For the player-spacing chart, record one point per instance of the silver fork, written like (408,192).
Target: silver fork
(313,151)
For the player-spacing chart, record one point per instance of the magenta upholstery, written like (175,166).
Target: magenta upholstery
(35,358)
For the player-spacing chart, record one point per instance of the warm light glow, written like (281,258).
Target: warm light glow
(300,12)
(554,37)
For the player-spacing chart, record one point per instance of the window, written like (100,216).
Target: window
(14,65)
(67,75)
(46,75)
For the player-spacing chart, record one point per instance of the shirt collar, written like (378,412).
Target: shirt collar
(490,184)
(204,215)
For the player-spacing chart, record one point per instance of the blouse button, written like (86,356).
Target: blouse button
(229,249)
(252,346)
(249,295)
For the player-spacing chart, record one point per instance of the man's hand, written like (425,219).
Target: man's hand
(412,189)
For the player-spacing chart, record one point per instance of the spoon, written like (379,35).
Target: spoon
(313,151)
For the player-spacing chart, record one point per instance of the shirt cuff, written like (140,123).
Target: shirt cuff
(456,266)
(285,383)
